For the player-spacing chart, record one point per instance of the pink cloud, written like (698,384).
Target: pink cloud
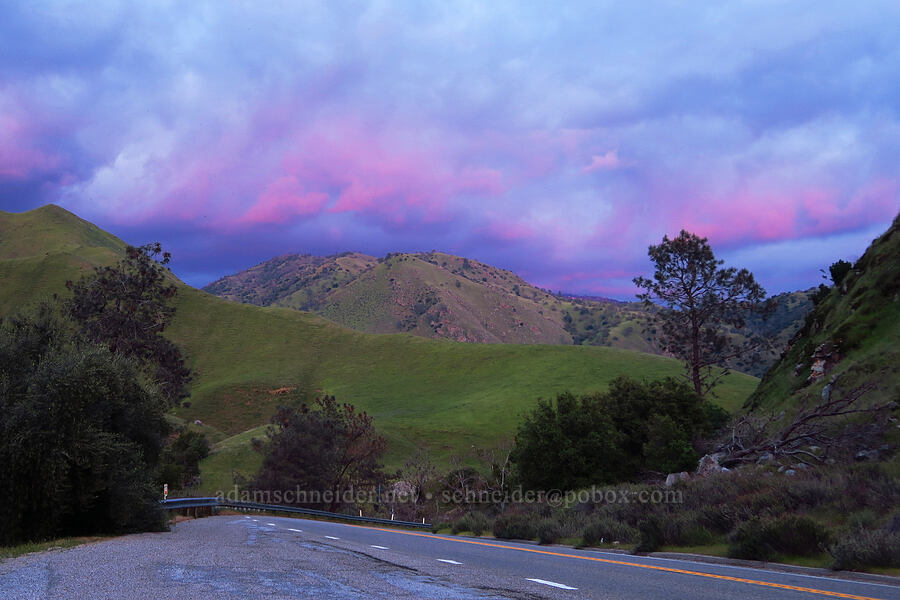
(508,231)
(755,215)
(17,159)
(282,200)
(609,161)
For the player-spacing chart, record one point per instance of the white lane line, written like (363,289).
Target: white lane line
(448,561)
(551,584)
(297,530)
(271,524)
(380,547)
(331,537)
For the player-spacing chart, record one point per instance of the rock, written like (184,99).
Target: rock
(709,464)
(673,478)
(814,449)
(764,458)
(826,392)
(790,472)
(864,455)
(781,469)
(800,466)
(198,422)
(824,358)
(798,369)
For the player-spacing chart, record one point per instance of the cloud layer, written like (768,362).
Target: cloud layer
(558,142)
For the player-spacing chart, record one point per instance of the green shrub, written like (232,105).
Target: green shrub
(515,526)
(764,539)
(438,525)
(864,519)
(548,531)
(862,548)
(652,535)
(475,522)
(608,530)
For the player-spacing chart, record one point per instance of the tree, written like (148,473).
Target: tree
(567,444)
(80,434)
(632,429)
(700,303)
(324,450)
(180,461)
(127,307)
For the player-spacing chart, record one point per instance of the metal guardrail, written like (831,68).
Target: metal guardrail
(178,503)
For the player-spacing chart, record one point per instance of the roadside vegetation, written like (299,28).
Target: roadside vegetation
(85,385)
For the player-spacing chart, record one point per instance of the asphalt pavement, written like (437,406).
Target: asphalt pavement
(258,556)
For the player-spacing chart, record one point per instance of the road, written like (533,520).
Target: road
(271,557)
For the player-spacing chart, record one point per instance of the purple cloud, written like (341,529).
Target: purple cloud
(557,143)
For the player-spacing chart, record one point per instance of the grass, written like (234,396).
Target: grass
(862,318)
(248,360)
(59,544)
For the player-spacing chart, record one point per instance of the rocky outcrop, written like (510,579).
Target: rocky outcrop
(824,358)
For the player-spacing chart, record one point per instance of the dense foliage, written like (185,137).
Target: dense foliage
(84,387)
(634,427)
(179,466)
(324,450)
(126,307)
(80,433)
(701,304)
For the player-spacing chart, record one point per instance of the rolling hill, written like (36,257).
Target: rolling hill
(247,359)
(441,296)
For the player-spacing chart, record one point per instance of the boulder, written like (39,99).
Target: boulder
(764,458)
(709,464)
(673,478)
(864,455)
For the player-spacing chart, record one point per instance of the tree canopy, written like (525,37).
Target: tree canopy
(80,433)
(633,428)
(323,449)
(699,303)
(126,307)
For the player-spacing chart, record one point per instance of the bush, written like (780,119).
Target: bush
(438,525)
(764,539)
(476,522)
(607,531)
(862,548)
(548,531)
(652,535)
(515,526)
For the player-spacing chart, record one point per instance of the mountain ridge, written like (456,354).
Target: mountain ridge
(441,296)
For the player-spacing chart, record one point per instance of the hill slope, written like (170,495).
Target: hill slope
(248,360)
(857,323)
(441,296)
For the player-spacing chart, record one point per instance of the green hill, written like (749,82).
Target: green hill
(858,323)
(441,296)
(248,359)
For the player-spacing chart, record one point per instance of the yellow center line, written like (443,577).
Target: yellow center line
(625,563)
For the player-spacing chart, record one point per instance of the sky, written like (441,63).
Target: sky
(558,140)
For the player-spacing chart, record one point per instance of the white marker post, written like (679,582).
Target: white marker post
(165,491)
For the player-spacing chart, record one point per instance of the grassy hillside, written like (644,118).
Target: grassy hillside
(42,248)
(248,360)
(860,319)
(441,296)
